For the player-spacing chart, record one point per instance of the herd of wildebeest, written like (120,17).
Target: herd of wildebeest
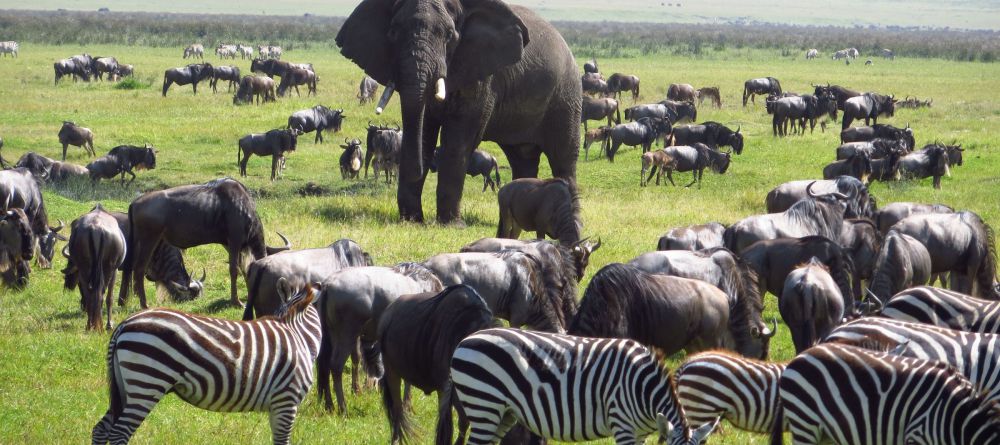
(883,357)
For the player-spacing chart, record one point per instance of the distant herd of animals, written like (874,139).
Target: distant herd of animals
(883,358)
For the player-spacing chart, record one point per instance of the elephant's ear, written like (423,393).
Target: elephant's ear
(364,39)
(492,37)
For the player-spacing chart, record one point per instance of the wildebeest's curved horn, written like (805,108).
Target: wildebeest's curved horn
(59,227)
(274,250)
(809,190)
(65,251)
(768,333)
(738,129)
(596,245)
(397,127)
(878,302)
(356,141)
(347,141)
(202,280)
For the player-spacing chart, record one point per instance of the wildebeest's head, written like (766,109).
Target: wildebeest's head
(719,161)
(47,242)
(954,154)
(736,140)
(335,118)
(148,160)
(581,255)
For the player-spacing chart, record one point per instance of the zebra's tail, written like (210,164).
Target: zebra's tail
(777,429)
(397,415)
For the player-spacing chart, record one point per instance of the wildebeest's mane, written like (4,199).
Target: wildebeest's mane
(560,273)
(740,284)
(545,301)
(419,273)
(615,292)
(566,217)
(985,242)
(806,211)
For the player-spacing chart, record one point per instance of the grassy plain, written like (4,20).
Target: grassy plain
(52,375)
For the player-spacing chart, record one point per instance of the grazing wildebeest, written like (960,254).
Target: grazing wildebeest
(123,70)
(695,158)
(593,83)
(810,304)
(760,86)
(598,109)
(861,240)
(696,237)
(367,90)
(382,143)
(97,246)
(868,106)
(228,73)
(712,134)
(294,77)
(931,161)
(72,134)
(817,214)
(351,159)
(876,148)
(711,93)
(857,165)
(680,112)
(839,92)
(274,143)
(299,268)
(254,86)
(859,205)
(351,303)
(9,47)
(902,263)
(17,247)
(590,66)
(812,54)
(480,163)
(191,74)
(642,132)
(217,212)
(618,82)
(657,159)
(960,243)
(318,119)
(549,207)
(792,109)
(422,357)
(121,160)
(669,313)
(774,259)
(38,165)
(194,50)
(683,92)
(70,67)
(270,67)
(600,134)
(893,213)
(102,65)
(22,190)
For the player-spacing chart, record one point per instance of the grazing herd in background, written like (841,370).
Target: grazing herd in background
(849,277)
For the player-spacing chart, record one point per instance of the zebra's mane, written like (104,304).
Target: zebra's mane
(295,305)
(736,356)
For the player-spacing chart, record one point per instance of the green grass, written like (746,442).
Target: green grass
(52,375)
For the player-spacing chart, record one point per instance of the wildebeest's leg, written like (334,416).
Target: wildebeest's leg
(343,346)
(243,162)
(64,151)
(696,177)
(108,295)
(233,248)
(195,86)
(670,177)
(144,247)
(129,171)
(90,147)
(275,159)
(444,424)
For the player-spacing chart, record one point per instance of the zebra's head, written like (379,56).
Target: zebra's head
(683,435)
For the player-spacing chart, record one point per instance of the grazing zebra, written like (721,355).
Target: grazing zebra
(214,364)
(945,308)
(741,390)
(846,395)
(567,388)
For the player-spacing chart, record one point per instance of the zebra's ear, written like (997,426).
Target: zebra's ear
(664,426)
(701,434)
(284,289)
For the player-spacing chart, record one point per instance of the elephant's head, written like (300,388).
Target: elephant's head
(427,49)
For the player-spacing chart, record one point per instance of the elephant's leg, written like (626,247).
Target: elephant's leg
(456,143)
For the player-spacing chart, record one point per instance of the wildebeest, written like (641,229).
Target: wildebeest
(351,159)
(902,263)
(254,86)
(351,303)
(931,161)
(712,134)
(818,214)
(810,304)
(549,207)
(668,110)
(895,212)
(839,92)
(73,134)
(887,168)
(792,109)
(422,357)
(760,86)
(367,90)
(274,143)
(598,109)
(669,313)
(774,259)
(102,65)
(617,83)
(64,171)
(859,205)
(318,119)
(294,77)
(888,54)
(960,243)
(590,66)
(217,212)
(695,158)
(270,67)
(17,247)
(227,73)
(191,74)
(680,112)
(861,240)
(9,47)
(21,190)
(642,132)
(479,163)
(858,165)
(556,256)
(38,165)
(121,160)
(696,237)
(97,246)
(600,134)
(70,67)
(593,83)
(657,159)
(194,50)
(683,92)
(879,131)
(382,143)
(877,148)
(812,54)
(299,267)
(123,70)
(913,102)
(711,93)
(868,106)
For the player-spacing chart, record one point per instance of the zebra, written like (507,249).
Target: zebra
(214,364)
(567,388)
(945,308)
(8,47)
(846,395)
(976,356)
(717,384)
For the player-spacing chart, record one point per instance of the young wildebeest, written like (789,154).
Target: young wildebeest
(351,303)
(120,160)
(868,106)
(228,73)
(351,159)
(932,161)
(599,134)
(73,134)
(642,132)
(191,74)
(784,196)
(695,158)
(655,159)
(774,259)
(598,109)
(902,263)
(858,165)
(681,92)
(422,357)
(793,109)
(479,163)
(669,313)
(810,304)
(712,134)
(696,237)
(254,86)
(274,143)
(760,86)
(319,118)
(294,77)
(817,214)
(70,67)
(895,212)
(711,93)
(17,247)
(382,144)
(617,83)
(367,90)
(97,247)
(549,207)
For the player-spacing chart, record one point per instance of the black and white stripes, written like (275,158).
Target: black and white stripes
(719,384)
(945,308)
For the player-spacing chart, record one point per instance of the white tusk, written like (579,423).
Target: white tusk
(440,90)
(386,95)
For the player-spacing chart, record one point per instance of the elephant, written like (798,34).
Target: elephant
(471,70)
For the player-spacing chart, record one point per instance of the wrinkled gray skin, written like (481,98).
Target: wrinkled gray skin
(683,92)
(508,77)
(817,214)
(367,90)
(482,164)
(868,106)
(228,73)
(696,237)
(598,109)
(784,196)
(274,143)
(73,134)
(97,246)
(902,263)
(810,304)
(351,159)
(895,212)
(254,86)
(861,240)
(22,190)
(642,132)
(857,166)
(695,158)
(318,119)
(191,74)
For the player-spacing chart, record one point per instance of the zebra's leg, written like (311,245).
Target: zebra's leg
(102,430)
(135,411)
(282,417)
(488,424)
(463,419)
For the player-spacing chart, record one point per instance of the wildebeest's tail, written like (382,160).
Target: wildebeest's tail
(166,84)
(323,359)
(777,428)
(397,415)
(746,89)
(807,329)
